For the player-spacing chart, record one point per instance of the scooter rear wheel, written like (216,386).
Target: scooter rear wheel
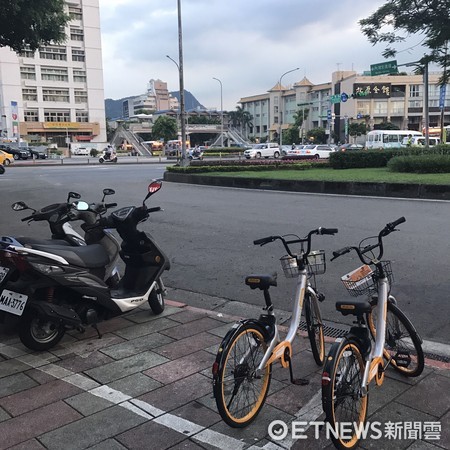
(156,299)
(39,334)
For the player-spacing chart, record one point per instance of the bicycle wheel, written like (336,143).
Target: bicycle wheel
(314,326)
(341,392)
(403,347)
(240,394)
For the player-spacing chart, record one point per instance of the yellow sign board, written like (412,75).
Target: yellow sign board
(60,125)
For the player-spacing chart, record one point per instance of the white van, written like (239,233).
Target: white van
(267,150)
(420,141)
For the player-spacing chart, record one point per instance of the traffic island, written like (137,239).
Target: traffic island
(399,190)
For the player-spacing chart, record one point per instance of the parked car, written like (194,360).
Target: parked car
(6,158)
(17,152)
(317,151)
(267,150)
(350,147)
(38,152)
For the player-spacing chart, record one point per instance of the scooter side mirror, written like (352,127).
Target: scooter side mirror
(82,206)
(107,191)
(153,187)
(19,206)
(74,195)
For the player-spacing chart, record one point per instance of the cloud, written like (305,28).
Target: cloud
(246,44)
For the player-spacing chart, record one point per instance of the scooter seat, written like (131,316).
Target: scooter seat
(90,256)
(31,241)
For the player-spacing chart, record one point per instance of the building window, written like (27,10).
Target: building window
(29,95)
(54,74)
(363,108)
(76,34)
(75,12)
(27,72)
(31,115)
(55,53)
(55,95)
(415,104)
(57,116)
(80,96)
(77,55)
(27,53)
(397,108)
(79,76)
(82,116)
(380,108)
(415,90)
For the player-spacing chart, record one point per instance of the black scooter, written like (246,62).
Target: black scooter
(54,288)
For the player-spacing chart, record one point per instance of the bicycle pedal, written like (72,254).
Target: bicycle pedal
(402,360)
(300,381)
(320,297)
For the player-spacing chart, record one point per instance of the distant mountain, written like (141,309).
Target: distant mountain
(190,102)
(113,108)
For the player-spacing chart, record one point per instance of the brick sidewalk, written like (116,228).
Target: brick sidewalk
(147,385)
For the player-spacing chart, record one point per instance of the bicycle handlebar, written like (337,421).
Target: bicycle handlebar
(307,239)
(388,229)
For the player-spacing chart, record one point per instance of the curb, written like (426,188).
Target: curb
(396,190)
(329,340)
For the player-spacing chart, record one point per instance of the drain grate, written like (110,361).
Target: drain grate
(334,332)
(328,330)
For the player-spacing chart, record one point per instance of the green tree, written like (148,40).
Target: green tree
(317,135)
(385,126)
(165,127)
(26,24)
(429,18)
(357,129)
(292,134)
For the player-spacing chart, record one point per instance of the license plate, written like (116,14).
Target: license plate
(3,272)
(13,302)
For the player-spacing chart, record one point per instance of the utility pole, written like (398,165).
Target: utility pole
(184,159)
(280,105)
(221,111)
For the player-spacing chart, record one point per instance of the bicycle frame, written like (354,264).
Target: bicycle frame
(374,363)
(277,348)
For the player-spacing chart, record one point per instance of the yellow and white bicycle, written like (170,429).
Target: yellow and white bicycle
(243,367)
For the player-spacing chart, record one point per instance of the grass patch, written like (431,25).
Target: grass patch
(372,175)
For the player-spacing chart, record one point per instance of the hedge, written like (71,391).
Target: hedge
(380,158)
(233,167)
(420,164)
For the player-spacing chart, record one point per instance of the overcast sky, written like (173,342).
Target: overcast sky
(247,44)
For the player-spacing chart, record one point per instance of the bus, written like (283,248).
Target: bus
(381,139)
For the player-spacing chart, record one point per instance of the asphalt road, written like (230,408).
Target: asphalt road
(208,234)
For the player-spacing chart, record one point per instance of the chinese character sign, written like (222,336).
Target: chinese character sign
(15,119)
(373,90)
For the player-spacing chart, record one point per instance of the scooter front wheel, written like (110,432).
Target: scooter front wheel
(156,299)
(39,334)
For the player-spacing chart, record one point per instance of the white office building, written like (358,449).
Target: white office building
(56,93)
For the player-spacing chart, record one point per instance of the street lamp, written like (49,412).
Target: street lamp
(221,111)
(280,106)
(184,160)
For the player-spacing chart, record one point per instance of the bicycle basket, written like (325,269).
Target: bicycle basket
(290,266)
(316,262)
(362,280)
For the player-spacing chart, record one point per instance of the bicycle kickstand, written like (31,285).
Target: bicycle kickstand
(296,381)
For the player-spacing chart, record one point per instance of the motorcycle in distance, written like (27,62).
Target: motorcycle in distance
(195,153)
(55,288)
(108,155)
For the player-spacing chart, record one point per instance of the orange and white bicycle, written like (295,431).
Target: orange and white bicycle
(243,367)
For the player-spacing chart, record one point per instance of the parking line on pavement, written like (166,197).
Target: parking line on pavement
(139,407)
